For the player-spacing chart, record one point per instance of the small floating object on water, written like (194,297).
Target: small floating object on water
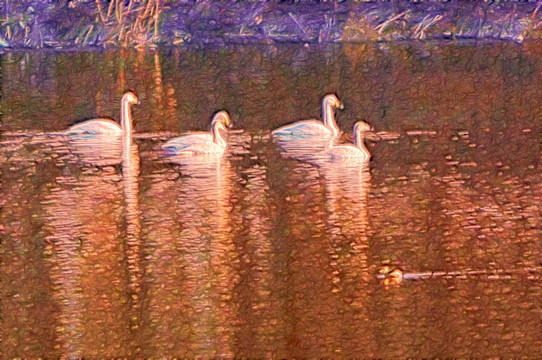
(201,143)
(468,164)
(311,128)
(391,276)
(383,135)
(421,132)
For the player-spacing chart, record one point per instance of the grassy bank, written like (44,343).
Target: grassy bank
(125,23)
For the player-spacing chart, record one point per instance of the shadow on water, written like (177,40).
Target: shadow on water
(110,252)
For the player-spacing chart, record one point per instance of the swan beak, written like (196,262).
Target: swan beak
(341,106)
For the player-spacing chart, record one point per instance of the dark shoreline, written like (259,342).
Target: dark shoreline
(231,45)
(29,24)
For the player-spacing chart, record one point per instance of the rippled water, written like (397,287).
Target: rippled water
(258,255)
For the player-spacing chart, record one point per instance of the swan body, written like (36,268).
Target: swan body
(108,127)
(95,127)
(356,151)
(313,128)
(202,142)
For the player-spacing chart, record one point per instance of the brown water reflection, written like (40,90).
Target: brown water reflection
(190,261)
(86,262)
(256,255)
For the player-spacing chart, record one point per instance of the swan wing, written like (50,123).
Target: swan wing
(95,127)
(178,144)
(302,130)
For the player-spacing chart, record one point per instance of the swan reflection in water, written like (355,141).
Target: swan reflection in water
(346,191)
(90,254)
(346,188)
(330,243)
(190,257)
(345,168)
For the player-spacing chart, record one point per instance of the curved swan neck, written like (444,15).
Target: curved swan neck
(328,117)
(359,140)
(126,125)
(125,116)
(217,137)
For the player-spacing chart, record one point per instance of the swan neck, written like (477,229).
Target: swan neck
(217,137)
(328,117)
(126,126)
(359,141)
(125,117)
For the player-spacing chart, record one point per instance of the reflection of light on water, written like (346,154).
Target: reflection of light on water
(198,166)
(97,150)
(157,76)
(209,249)
(347,186)
(260,323)
(83,215)
(130,176)
(346,190)
(190,255)
(302,149)
(67,277)
(324,225)
(82,218)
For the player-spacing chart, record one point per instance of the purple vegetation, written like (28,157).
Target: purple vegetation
(103,23)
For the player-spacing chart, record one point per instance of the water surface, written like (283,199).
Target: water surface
(258,255)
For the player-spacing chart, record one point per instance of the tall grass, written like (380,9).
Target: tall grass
(129,23)
(79,23)
(132,23)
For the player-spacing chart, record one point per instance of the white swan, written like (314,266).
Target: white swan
(356,151)
(312,128)
(203,142)
(108,127)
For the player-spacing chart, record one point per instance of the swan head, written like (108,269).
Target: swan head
(130,97)
(222,118)
(333,101)
(362,126)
